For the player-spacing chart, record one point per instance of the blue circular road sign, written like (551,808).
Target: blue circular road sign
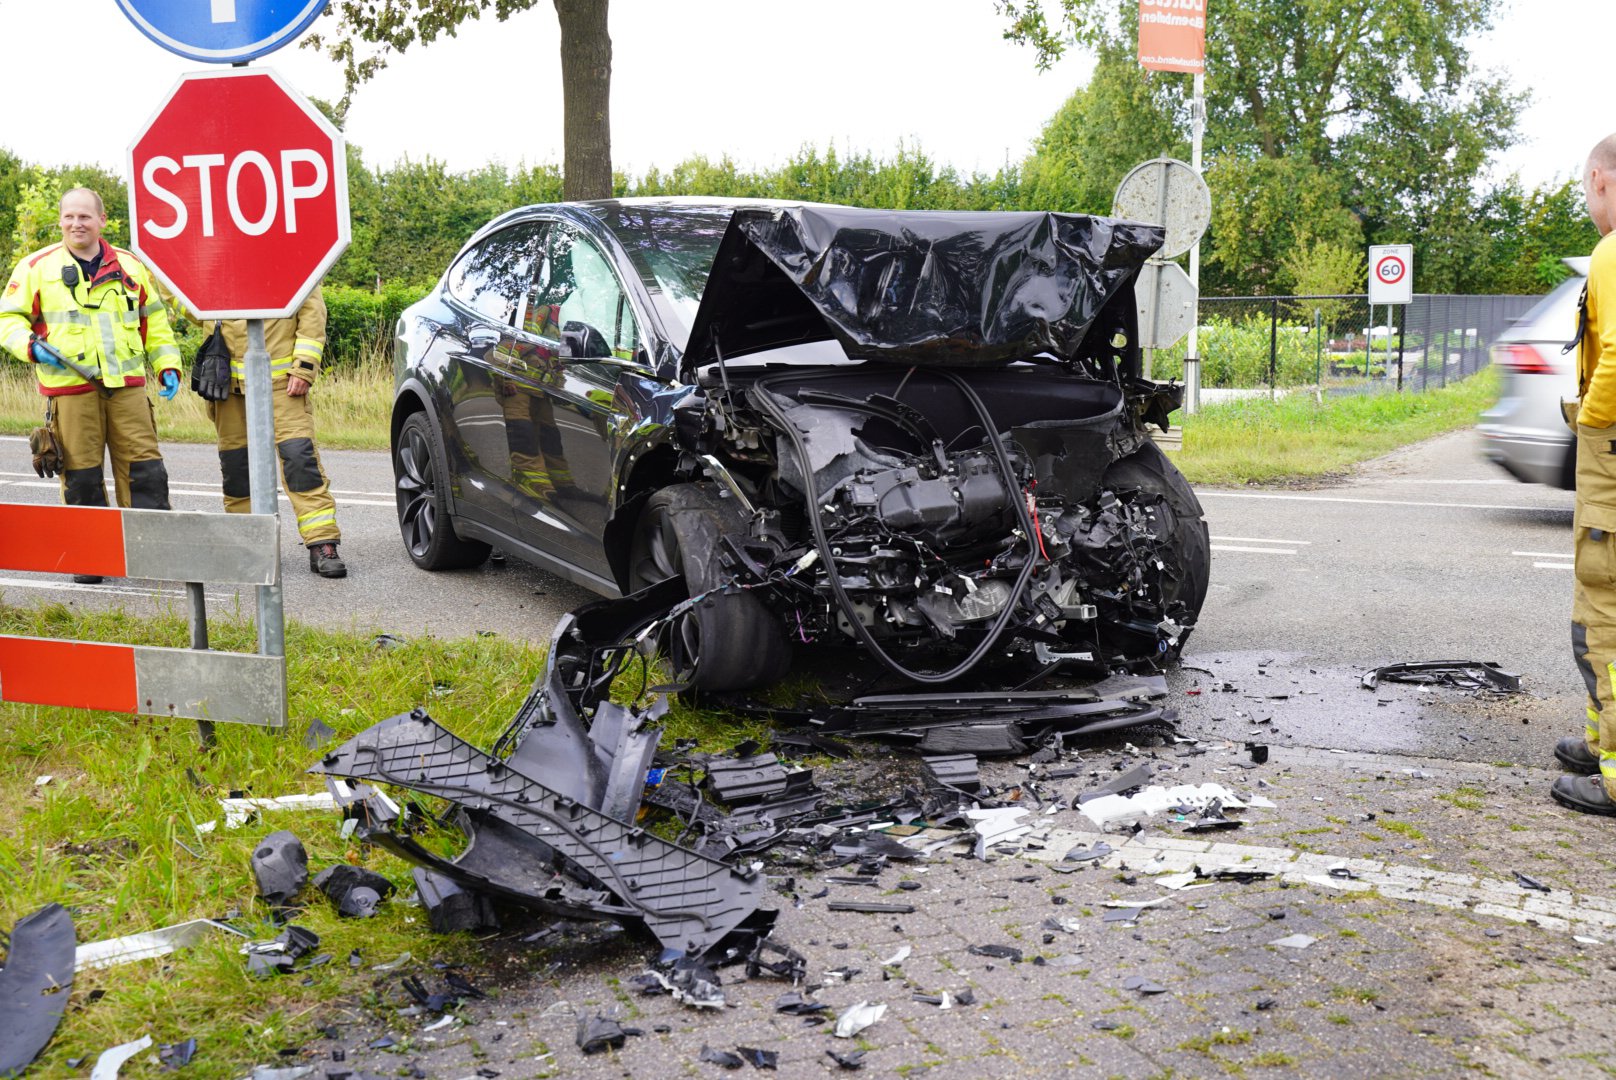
(222,31)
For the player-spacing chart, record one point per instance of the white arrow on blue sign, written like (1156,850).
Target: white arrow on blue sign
(222,31)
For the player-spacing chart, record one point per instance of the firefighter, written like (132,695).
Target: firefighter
(88,317)
(1591,758)
(296,346)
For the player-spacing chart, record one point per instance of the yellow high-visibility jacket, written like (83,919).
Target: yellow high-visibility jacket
(296,345)
(111,326)
(1596,362)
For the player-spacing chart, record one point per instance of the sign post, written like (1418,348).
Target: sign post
(1391,282)
(241,223)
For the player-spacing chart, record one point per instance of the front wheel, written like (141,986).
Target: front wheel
(419,481)
(729,640)
(1184,586)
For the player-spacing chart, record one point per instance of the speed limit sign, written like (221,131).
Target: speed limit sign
(1391,274)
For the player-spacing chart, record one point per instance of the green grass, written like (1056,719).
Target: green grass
(108,837)
(1296,438)
(351,408)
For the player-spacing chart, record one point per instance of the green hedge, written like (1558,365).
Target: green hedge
(1235,354)
(359,322)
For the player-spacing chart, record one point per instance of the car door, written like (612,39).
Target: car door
(487,284)
(577,330)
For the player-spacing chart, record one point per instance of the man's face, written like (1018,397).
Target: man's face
(81,222)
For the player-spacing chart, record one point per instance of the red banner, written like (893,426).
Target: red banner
(1172,35)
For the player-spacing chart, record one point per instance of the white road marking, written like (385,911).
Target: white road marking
(1541,554)
(1262,540)
(1254,550)
(1373,502)
(1553,566)
(119,590)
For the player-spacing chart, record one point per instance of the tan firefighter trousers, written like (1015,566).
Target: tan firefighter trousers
(1593,609)
(302,475)
(106,421)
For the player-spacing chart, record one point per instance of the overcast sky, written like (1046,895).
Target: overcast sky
(755,79)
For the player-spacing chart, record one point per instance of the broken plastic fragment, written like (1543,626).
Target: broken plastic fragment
(237,812)
(1294,941)
(1530,883)
(1460,674)
(871,908)
(281,868)
(795,1004)
(858,1017)
(393,965)
(760,1059)
(34,985)
(147,945)
(1143,985)
(720,1057)
(1121,784)
(600,1033)
(999,952)
(898,957)
(449,907)
(853,1059)
(357,892)
(110,1061)
(1093,854)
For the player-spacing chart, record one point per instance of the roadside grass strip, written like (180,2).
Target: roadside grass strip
(119,833)
(1254,441)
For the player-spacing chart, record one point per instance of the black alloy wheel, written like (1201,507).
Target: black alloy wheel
(423,519)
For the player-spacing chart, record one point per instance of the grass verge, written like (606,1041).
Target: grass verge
(1296,438)
(113,836)
(352,407)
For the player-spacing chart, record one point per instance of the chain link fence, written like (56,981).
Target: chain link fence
(1337,345)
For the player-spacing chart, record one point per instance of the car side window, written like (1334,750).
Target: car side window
(578,301)
(492,277)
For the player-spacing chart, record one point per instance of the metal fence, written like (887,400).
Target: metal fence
(1336,344)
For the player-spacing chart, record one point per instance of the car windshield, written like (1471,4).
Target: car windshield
(672,248)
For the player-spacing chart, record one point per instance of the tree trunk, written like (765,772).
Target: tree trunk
(586,90)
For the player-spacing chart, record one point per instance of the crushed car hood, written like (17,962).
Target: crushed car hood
(964,289)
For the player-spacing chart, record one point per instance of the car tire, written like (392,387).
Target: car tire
(419,482)
(1149,470)
(729,640)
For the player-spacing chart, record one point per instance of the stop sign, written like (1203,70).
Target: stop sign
(238,194)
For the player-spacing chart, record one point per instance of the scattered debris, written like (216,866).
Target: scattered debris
(794,1003)
(1473,675)
(449,907)
(357,892)
(720,1057)
(1116,811)
(1294,941)
(148,944)
(871,908)
(760,1059)
(998,952)
(1143,985)
(238,812)
(280,954)
(600,1033)
(853,1059)
(858,1017)
(34,986)
(317,735)
(281,868)
(898,957)
(176,1055)
(1093,854)
(110,1061)
(1530,883)
(1121,784)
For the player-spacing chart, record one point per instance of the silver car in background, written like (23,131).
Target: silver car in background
(1525,433)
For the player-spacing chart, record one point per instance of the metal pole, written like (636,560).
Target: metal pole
(1318,356)
(1402,324)
(1273,348)
(1447,328)
(262,468)
(197,614)
(1192,351)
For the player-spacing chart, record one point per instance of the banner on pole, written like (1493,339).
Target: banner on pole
(1172,35)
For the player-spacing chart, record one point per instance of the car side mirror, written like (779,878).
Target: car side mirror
(580,341)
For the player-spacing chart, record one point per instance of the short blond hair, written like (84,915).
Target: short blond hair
(101,207)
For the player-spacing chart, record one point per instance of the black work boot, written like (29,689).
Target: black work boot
(1574,755)
(324,560)
(1585,794)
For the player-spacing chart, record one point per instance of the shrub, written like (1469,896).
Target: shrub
(1235,354)
(359,322)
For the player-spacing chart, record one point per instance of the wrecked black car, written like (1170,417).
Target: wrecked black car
(921,435)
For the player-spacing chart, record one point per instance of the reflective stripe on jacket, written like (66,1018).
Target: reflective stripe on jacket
(112,325)
(295,345)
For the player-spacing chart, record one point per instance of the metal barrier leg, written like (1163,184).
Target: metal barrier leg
(197,614)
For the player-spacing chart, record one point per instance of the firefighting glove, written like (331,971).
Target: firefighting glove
(47,462)
(210,371)
(171,384)
(43,352)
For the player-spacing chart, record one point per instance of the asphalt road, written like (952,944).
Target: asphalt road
(1428,554)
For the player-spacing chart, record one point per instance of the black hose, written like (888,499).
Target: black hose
(766,401)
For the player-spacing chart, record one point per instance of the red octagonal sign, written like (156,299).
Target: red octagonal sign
(238,194)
